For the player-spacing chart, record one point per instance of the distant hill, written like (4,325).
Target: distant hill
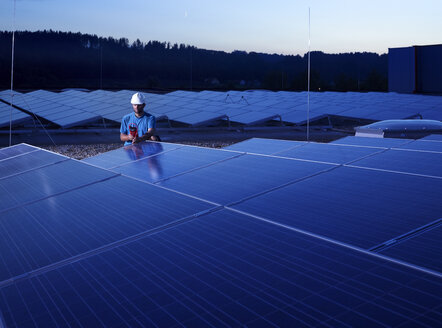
(54,60)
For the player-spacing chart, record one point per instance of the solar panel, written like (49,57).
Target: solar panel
(47,181)
(15,150)
(253,118)
(94,248)
(331,153)
(300,117)
(200,118)
(355,206)
(83,219)
(371,142)
(45,104)
(422,249)
(168,164)
(428,145)
(225,269)
(421,162)
(129,154)
(291,106)
(433,137)
(234,179)
(12,116)
(264,146)
(27,161)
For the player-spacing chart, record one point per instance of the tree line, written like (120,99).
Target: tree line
(55,60)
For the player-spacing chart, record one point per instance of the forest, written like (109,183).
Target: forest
(57,60)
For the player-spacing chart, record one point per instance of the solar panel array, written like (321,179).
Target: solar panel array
(75,108)
(12,116)
(292,106)
(173,235)
(52,107)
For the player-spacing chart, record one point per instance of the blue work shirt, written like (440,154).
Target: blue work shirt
(142,123)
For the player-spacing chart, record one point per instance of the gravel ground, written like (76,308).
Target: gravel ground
(84,151)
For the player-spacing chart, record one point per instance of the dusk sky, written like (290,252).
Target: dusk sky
(278,26)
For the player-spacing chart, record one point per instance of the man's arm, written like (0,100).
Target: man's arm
(147,136)
(126,137)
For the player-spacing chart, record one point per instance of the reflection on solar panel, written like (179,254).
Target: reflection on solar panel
(84,246)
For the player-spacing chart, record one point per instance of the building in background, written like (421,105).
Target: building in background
(416,69)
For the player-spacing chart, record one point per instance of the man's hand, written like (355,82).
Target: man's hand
(135,139)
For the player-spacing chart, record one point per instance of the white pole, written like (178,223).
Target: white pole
(12,77)
(308,80)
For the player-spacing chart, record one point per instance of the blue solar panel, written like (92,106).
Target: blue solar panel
(264,146)
(423,145)
(434,137)
(240,177)
(423,249)
(46,181)
(225,270)
(81,220)
(27,161)
(129,154)
(421,162)
(372,142)
(356,206)
(15,150)
(104,250)
(168,164)
(328,153)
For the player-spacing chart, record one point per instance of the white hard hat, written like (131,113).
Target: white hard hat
(138,99)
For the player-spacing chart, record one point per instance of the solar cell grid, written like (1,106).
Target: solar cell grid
(225,269)
(425,145)
(168,164)
(129,154)
(202,118)
(27,161)
(371,142)
(422,249)
(15,150)
(330,153)
(356,206)
(57,228)
(251,118)
(245,176)
(432,137)
(46,181)
(426,163)
(264,146)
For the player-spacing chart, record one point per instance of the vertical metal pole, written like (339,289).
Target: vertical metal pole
(191,68)
(101,67)
(12,77)
(308,80)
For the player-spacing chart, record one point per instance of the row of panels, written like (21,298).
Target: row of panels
(74,108)
(333,190)
(94,248)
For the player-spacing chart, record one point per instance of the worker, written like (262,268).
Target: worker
(139,125)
